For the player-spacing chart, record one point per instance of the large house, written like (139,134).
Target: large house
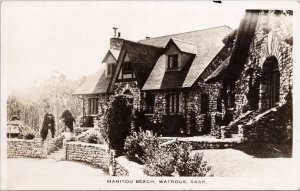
(214,81)
(165,77)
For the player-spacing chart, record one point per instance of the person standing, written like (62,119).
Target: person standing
(68,121)
(48,123)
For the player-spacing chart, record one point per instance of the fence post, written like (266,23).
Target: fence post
(112,165)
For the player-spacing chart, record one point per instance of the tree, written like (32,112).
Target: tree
(119,117)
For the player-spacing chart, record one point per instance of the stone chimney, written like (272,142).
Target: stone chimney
(116,42)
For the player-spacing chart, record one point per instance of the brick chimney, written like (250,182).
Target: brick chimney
(116,42)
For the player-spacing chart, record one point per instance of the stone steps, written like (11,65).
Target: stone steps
(57,155)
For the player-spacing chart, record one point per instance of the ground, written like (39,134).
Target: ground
(260,161)
(42,174)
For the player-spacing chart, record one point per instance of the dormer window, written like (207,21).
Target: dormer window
(172,61)
(110,70)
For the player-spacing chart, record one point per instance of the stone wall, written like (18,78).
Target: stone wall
(19,148)
(270,126)
(272,38)
(94,154)
(36,148)
(199,145)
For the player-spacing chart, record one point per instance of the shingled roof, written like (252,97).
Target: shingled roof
(209,43)
(232,67)
(96,84)
(184,46)
(143,58)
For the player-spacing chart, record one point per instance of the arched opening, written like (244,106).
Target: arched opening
(129,94)
(270,83)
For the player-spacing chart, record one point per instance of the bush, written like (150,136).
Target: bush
(176,161)
(118,119)
(94,137)
(139,145)
(29,136)
(27,133)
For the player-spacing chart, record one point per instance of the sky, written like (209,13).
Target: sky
(72,37)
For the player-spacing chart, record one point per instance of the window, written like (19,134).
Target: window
(204,103)
(173,61)
(93,106)
(127,68)
(110,69)
(150,99)
(172,103)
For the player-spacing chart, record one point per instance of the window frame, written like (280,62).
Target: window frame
(174,64)
(172,103)
(110,69)
(128,66)
(93,106)
(150,102)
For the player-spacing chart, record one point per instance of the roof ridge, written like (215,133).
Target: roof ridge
(130,41)
(176,39)
(187,32)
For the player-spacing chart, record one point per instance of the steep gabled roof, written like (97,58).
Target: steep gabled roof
(96,84)
(209,43)
(114,53)
(143,58)
(184,46)
(232,67)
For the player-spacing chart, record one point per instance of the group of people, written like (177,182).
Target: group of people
(66,118)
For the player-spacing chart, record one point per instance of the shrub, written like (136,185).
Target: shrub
(119,117)
(176,161)
(139,145)
(94,137)
(26,133)
(29,136)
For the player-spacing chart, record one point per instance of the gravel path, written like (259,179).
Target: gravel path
(235,163)
(41,174)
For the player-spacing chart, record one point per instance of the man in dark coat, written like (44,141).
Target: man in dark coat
(68,119)
(48,123)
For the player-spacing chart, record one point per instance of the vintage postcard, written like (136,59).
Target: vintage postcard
(150,95)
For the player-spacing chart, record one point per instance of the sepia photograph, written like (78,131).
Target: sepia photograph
(149,95)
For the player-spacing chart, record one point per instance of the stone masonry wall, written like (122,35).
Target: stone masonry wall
(19,148)
(94,154)
(36,148)
(273,37)
(270,126)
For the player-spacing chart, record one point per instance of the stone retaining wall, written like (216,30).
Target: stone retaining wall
(270,126)
(94,154)
(199,145)
(36,148)
(19,148)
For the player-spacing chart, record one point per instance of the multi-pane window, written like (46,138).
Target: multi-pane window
(150,99)
(173,61)
(127,68)
(110,69)
(93,106)
(172,103)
